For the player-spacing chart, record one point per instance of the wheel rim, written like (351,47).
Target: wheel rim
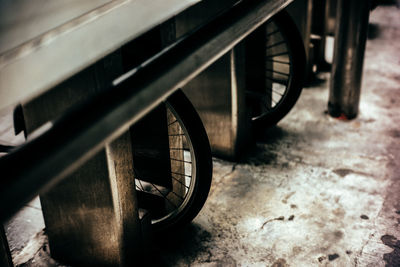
(183,172)
(278,73)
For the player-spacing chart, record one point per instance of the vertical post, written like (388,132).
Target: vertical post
(5,256)
(301,13)
(123,191)
(91,216)
(350,40)
(319,31)
(219,97)
(330,13)
(218,93)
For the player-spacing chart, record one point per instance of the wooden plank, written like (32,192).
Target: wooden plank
(67,49)
(27,20)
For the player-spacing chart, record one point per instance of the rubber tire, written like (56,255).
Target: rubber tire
(297,56)
(203,160)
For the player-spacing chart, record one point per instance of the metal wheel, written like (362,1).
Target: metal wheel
(283,65)
(174,182)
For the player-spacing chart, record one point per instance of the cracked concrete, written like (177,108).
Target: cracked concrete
(315,191)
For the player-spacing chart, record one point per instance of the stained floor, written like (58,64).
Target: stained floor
(315,191)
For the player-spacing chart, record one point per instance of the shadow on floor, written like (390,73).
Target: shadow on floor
(171,249)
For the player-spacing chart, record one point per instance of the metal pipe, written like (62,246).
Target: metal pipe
(82,132)
(350,39)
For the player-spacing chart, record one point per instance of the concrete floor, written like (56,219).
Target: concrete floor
(315,191)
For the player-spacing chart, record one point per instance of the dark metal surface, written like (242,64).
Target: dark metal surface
(82,132)
(6,148)
(350,39)
(5,255)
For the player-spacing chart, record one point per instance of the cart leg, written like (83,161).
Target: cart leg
(91,216)
(5,256)
(218,94)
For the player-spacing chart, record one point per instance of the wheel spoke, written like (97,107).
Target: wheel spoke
(180,160)
(176,134)
(177,173)
(176,179)
(175,121)
(278,72)
(283,82)
(272,33)
(277,61)
(276,44)
(279,54)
